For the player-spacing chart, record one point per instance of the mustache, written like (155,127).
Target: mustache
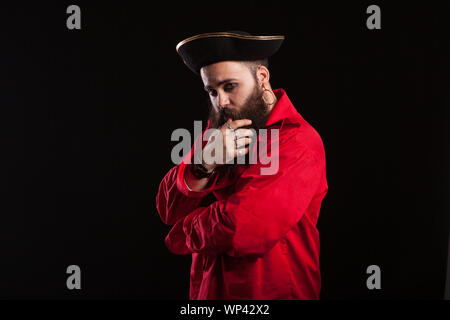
(225,114)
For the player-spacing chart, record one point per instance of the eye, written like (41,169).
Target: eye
(230,86)
(213,92)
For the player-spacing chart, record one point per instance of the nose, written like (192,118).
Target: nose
(223,100)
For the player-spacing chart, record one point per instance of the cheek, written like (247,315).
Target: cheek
(215,105)
(214,102)
(243,95)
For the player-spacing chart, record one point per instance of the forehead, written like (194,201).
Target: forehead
(217,72)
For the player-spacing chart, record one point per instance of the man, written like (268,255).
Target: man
(251,235)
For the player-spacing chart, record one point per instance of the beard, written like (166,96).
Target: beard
(255,109)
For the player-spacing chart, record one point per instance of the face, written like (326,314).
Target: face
(234,93)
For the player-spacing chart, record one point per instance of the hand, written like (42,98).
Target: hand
(243,138)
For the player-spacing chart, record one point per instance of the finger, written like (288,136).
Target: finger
(243,142)
(241,152)
(228,124)
(241,133)
(240,123)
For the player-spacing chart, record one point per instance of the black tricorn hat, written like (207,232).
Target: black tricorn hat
(207,48)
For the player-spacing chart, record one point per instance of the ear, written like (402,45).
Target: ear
(263,75)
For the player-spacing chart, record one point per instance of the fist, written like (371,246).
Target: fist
(231,139)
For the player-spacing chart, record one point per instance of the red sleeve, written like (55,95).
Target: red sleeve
(174,200)
(261,211)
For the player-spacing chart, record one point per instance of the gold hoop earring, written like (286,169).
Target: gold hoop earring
(273,94)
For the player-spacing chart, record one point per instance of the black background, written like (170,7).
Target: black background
(87,116)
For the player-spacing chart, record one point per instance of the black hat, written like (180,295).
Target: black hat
(207,48)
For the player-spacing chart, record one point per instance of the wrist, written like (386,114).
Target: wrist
(208,167)
(200,161)
(201,172)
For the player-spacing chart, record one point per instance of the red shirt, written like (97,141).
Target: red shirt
(253,236)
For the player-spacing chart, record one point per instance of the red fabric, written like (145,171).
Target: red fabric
(256,238)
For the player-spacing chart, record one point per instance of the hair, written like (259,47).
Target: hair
(254,64)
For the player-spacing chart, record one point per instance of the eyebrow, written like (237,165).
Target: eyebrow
(207,87)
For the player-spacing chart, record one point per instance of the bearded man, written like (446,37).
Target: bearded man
(252,235)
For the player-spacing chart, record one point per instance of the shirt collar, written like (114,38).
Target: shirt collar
(283,111)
